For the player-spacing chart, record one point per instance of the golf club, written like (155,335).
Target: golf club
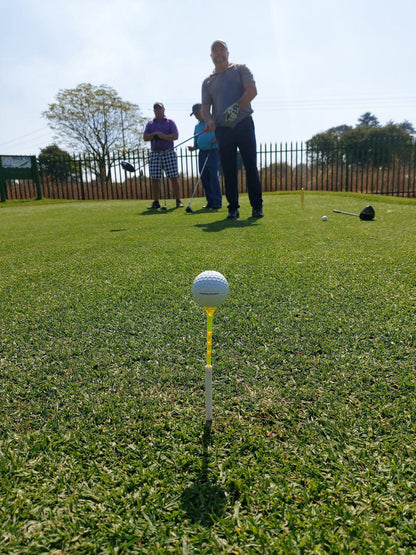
(367,213)
(188,209)
(130,168)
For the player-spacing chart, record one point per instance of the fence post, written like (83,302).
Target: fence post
(81,179)
(2,186)
(36,177)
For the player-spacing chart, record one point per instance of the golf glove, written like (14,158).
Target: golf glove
(231,113)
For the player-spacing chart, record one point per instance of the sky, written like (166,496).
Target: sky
(317,63)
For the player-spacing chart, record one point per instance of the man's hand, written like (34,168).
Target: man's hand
(210,126)
(231,113)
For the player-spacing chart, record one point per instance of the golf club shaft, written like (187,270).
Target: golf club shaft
(183,142)
(199,179)
(186,140)
(173,148)
(349,213)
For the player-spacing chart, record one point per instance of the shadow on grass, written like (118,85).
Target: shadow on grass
(225,224)
(204,500)
(152,212)
(202,210)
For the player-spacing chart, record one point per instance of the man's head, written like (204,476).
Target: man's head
(219,53)
(196,111)
(159,110)
(219,42)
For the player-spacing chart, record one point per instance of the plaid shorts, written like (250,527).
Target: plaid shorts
(166,161)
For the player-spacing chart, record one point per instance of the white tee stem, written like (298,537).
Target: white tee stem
(208,393)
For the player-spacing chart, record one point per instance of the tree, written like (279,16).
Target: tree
(324,147)
(368,143)
(407,126)
(368,120)
(377,146)
(96,121)
(57,163)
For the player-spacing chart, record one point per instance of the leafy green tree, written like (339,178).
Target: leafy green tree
(377,146)
(96,121)
(56,163)
(407,126)
(368,120)
(325,147)
(368,143)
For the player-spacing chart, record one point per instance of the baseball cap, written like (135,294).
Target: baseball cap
(195,108)
(158,105)
(218,41)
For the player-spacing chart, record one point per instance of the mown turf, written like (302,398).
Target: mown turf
(103,447)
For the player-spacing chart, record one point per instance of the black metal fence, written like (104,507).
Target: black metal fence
(282,167)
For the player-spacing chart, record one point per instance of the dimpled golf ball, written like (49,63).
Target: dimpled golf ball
(210,288)
(324,218)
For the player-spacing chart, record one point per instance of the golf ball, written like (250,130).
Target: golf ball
(210,288)
(324,218)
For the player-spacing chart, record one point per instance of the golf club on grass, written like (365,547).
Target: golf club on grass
(367,213)
(188,209)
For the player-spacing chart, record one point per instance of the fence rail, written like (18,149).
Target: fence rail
(282,167)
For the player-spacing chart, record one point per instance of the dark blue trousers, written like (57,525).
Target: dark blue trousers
(243,138)
(210,177)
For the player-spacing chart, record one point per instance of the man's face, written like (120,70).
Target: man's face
(159,113)
(198,114)
(219,54)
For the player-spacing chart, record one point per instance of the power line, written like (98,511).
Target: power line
(306,102)
(334,103)
(27,138)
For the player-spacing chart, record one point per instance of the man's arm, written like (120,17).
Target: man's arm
(250,92)
(207,117)
(173,135)
(148,136)
(167,137)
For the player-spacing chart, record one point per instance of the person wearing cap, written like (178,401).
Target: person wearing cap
(226,108)
(162,132)
(208,160)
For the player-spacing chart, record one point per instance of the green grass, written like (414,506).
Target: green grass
(103,447)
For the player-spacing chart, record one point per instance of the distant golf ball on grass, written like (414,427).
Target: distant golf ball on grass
(324,218)
(210,289)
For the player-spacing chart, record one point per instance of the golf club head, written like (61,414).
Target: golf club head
(163,208)
(189,210)
(367,213)
(127,166)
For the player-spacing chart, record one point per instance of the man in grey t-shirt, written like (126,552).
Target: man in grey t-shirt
(226,108)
